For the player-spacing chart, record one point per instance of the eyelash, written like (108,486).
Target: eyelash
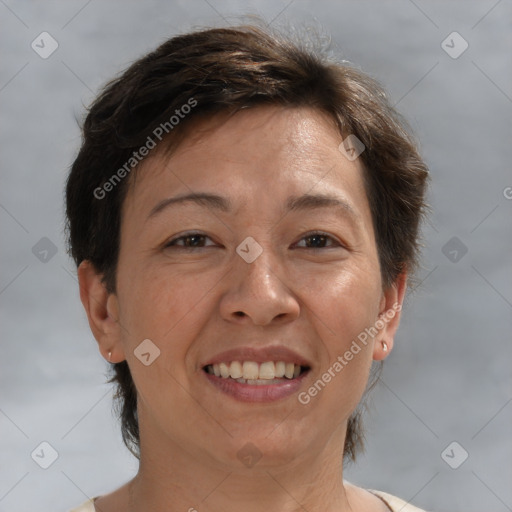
(311,234)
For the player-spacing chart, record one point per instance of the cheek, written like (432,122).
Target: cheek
(343,308)
(167,306)
(345,303)
(162,307)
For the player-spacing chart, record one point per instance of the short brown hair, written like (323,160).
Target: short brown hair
(224,70)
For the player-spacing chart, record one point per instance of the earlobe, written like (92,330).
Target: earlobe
(102,311)
(381,350)
(389,317)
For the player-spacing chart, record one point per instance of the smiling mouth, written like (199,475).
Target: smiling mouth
(256,374)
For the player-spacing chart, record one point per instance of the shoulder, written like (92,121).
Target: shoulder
(396,504)
(88,506)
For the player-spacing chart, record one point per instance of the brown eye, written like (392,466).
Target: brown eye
(318,241)
(189,241)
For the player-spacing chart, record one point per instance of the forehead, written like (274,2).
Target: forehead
(265,152)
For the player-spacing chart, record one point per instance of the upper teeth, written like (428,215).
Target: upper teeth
(251,370)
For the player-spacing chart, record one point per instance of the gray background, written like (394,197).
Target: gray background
(449,377)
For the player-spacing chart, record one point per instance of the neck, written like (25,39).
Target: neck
(170,478)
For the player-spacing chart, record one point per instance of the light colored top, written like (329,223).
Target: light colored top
(394,504)
(88,506)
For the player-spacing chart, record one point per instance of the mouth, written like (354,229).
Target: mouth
(249,375)
(256,374)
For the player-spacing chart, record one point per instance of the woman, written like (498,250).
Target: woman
(244,216)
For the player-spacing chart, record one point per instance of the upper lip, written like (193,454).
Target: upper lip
(258,355)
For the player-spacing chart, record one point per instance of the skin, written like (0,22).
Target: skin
(312,295)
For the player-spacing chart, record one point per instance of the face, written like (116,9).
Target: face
(275,263)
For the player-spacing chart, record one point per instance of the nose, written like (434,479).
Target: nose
(258,293)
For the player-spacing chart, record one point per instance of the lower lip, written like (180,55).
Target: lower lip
(256,393)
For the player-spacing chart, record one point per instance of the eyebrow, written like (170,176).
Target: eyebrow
(202,199)
(315,201)
(293,203)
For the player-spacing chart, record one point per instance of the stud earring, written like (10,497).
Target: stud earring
(109,356)
(384,346)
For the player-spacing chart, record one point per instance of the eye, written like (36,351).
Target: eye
(318,240)
(189,241)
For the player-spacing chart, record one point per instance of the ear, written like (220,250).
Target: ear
(389,317)
(102,312)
